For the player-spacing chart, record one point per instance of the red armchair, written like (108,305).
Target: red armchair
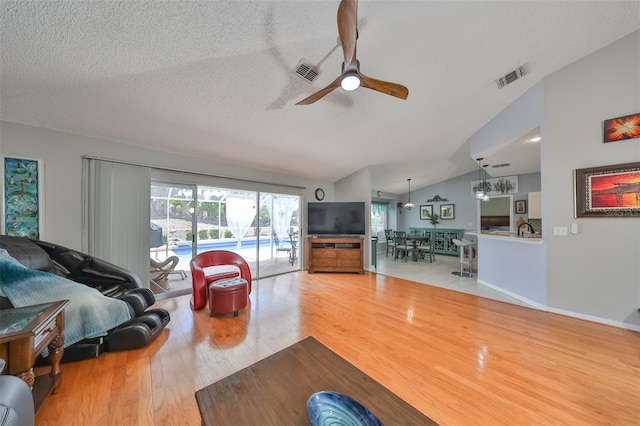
(201,278)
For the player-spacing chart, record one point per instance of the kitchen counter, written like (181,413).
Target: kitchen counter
(514,265)
(509,236)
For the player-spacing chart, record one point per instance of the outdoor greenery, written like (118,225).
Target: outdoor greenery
(175,216)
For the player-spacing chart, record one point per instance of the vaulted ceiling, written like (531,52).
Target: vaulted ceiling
(216,78)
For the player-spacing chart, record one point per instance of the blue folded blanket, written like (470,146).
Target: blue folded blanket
(88,314)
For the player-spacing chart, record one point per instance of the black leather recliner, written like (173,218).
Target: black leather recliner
(111,280)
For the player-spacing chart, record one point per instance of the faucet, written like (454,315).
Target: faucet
(533,231)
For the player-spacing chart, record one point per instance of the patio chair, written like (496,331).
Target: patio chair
(293,254)
(280,247)
(160,270)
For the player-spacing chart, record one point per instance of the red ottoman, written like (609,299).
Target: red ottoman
(228,295)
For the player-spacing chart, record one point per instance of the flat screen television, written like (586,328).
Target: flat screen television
(336,218)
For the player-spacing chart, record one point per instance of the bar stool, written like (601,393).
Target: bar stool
(464,260)
(472,254)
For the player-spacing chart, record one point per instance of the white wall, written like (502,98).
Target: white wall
(595,274)
(62,154)
(523,115)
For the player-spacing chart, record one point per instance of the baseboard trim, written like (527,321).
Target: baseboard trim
(542,307)
(533,303)
(605,321)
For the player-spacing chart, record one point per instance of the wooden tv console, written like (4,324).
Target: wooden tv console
(335,254)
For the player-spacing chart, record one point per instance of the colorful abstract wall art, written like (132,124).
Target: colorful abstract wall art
(621,128)
(22,197)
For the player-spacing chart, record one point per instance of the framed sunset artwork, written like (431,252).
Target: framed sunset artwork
(608,191)
(621,128)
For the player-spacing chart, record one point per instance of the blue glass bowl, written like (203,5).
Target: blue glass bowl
(332,408)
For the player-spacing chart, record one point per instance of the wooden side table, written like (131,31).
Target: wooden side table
(24,333)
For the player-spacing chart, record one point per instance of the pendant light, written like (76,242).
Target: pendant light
(409,205)
(480,191)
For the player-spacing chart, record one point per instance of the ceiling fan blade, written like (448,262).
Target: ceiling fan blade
(393,89)
(348,29)
(322,92)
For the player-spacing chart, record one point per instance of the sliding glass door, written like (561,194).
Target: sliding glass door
(190,219)
(171,235)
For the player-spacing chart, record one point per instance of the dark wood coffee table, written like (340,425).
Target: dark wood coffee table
(274,391)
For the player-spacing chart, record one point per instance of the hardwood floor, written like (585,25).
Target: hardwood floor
(457,358)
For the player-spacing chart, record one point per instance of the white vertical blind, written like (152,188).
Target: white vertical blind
(116,214)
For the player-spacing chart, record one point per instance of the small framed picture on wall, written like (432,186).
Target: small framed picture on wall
(447,211)
(426,210)
(521,206)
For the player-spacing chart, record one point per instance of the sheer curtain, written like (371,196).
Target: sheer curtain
(379,214)
(281,215)
(241,210)
(116,214)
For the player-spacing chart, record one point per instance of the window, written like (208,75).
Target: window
(379,215)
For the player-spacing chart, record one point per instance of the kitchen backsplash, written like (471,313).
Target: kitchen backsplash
(537,225)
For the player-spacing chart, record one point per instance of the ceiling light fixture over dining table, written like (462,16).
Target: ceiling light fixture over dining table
(409,205)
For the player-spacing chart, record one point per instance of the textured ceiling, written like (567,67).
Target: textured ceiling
(215,78)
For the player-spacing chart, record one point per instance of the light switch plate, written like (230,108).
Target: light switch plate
(562,231)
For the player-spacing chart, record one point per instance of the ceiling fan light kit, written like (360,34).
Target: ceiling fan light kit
(350,82)
(351,77)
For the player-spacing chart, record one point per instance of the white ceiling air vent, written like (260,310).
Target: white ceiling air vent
(306,71)
(497,166)
(511,77)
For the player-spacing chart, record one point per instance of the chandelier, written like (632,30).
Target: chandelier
(409,205)
(480,188)
(485,186)
(482,191)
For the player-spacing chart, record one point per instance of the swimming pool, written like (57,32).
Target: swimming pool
(184,250)
(227,244)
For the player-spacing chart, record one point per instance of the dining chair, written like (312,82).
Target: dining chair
(391,243)
(402,246)
(426,247)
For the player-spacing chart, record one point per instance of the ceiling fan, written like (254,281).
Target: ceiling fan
(351,77)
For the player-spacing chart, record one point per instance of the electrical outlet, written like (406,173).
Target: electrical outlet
(561,231)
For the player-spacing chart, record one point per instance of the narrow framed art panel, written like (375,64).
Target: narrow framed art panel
(447,211)
(521,206)
(608,191)
(22,197)
(426,210)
